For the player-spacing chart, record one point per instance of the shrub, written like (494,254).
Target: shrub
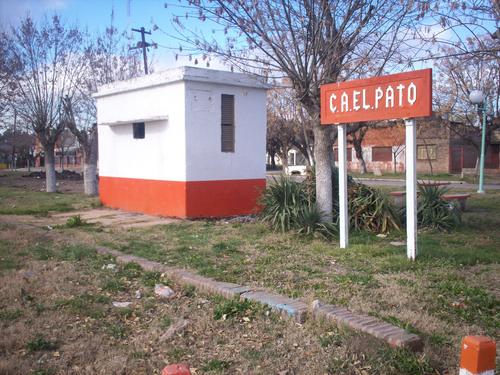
(234,308)
(75,221)
(434,212)
(282,203)
(290,205)
(309,222)
(39,343)
(371,210)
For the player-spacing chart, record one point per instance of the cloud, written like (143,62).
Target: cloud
(166,60)
(11,12)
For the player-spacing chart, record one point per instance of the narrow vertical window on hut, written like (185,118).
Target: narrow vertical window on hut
(227,123)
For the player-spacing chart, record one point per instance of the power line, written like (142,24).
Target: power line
(477,52)
(143,44)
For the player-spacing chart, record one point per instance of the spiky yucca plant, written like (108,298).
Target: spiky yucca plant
(371,209)
(434,212)
(288,205)
(309,222)
(282,201)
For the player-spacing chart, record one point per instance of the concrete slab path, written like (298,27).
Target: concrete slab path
(111,217)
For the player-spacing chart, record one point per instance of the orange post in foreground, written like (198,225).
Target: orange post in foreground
(477,356)
(176,369)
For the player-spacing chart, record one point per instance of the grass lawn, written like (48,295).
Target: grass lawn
(452,290)
(425,176)
(17,201)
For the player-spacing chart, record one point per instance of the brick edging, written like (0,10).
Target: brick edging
(294,308)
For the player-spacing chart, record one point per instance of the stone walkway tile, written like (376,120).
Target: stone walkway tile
(86,214)
(149,223)
(112,217)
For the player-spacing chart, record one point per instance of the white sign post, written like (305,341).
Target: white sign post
(411,188)
(343,213)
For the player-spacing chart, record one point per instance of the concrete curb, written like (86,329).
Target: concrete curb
(284,305)
(393,335)
(293,308)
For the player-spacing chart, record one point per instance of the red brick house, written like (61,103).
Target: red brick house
(68,154)
(439,150)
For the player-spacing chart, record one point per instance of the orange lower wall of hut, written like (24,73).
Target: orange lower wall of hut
(182,198)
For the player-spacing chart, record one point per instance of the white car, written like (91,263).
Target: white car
(296,170)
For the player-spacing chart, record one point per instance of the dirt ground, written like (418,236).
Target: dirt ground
(17,179)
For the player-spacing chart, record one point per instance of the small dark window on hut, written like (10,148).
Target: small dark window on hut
(139,131)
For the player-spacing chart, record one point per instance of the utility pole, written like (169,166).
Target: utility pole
(143,44)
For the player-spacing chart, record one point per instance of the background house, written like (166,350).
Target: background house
(382,150)
(67,152)
(439,150)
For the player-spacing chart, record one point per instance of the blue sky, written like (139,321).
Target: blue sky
(96,16)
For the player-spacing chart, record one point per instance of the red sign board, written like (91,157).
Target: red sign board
(402,95)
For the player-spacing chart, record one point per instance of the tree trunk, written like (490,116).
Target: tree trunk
(310,156)
(323,163)
(90,165)
(50,168)
(62,160)
(305,152)
(90,178)
(363,165)
(13,158)
(428,157)
(284,160)
(359,155)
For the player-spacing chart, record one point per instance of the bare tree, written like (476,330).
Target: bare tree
(357,138)
(396,151)
(8,65)
(106,61)
(311,43)
(64,143)
(279,137)
(87,138)
(288,126)
(19,144)
(459,75)
(466,28)
(50,66)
